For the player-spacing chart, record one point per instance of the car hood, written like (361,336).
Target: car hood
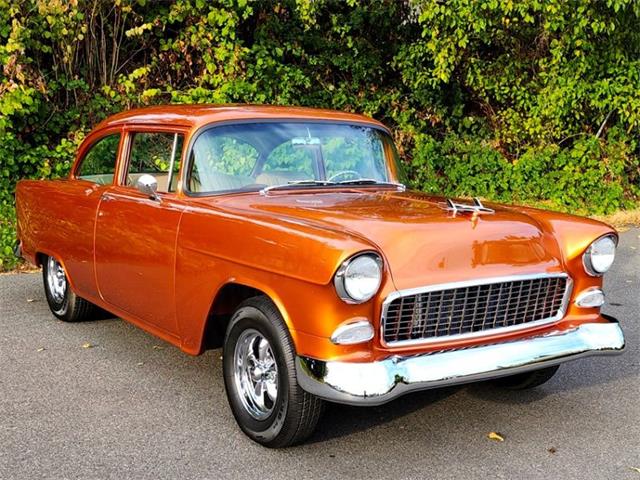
(422,242)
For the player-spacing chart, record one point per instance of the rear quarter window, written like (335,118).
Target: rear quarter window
(99,163)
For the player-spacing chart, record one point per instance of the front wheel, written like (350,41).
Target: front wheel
(63,302)
(260,378)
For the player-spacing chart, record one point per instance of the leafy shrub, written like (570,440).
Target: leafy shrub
(590,177)
(529,101)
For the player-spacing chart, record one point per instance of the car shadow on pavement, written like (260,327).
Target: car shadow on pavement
(101,314)
(570,377)
(490,392)
(343,420)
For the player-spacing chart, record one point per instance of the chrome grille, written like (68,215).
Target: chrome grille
(465,309)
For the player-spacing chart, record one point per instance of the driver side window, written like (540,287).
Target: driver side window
(157,154)
(99,163)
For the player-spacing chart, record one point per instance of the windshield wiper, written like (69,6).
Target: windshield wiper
(298,183)
(325,183)
(309,182)
(371,181)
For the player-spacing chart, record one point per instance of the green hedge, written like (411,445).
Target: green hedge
(531,101)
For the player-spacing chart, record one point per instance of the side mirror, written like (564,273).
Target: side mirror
(148,185)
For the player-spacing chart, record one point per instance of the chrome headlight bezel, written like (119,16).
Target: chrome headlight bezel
(587,257)
(345,274)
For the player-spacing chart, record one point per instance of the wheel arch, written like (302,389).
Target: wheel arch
(225,302)
(41,255)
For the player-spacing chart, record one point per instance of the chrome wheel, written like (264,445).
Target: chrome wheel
(255,374)
(56,280)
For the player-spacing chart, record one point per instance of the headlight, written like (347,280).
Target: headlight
(600,255)
(358,278)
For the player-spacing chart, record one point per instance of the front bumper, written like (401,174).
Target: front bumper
(380,382)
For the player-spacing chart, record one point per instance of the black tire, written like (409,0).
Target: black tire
(295,413)
(524,381)
(67,307)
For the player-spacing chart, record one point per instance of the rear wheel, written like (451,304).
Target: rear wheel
(260,378)
(524,381)
(64,304)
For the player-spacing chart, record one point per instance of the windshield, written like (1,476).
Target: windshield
(254,156)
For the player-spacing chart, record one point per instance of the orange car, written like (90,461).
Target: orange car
(286,236)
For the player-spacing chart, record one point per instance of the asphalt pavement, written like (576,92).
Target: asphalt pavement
(103,399)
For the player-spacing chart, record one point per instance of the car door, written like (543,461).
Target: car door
(135,236)
(93,175)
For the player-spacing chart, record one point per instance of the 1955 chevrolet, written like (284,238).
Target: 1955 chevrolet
(286,236)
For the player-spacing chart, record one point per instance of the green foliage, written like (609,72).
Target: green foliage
(529,101)
(589,177)
(225,154)
(286,157)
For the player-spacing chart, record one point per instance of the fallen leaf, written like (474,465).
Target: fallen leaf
(495,436)
(157,347)
(635,469)
(88,345)
(41,349)
(552,450)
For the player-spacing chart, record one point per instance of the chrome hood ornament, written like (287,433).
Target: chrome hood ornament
(477,208)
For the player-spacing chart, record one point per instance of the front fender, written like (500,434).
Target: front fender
(292,262)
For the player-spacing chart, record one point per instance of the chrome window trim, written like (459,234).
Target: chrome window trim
(172,161)
(473,283)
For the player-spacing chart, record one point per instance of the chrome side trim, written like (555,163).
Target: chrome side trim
(471,283)
(379,382)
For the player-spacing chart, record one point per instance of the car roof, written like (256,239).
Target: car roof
(198,115)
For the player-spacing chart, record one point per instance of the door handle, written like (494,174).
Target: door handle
(107,198)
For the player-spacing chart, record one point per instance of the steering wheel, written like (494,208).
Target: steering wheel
(343,173)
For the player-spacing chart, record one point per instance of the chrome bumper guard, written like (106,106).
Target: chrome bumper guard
(376,383)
